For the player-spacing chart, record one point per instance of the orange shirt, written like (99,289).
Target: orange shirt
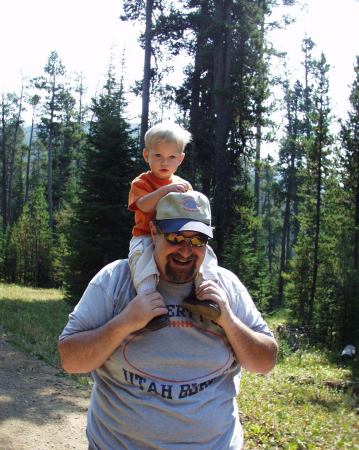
(140,186)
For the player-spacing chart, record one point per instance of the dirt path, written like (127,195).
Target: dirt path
(39,410)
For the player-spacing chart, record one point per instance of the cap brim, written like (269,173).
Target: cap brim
(170,225)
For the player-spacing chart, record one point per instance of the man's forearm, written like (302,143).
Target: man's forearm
(256,352)
(88,350)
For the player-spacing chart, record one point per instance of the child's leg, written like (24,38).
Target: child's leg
(208,269)
(145,274)
(143,268)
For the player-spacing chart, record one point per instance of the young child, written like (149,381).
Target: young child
(164,153)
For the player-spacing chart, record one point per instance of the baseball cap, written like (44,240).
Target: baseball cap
(184,211)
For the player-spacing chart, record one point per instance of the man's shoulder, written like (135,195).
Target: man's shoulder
(114,277)
(228,279)
(227,276)
(111,268)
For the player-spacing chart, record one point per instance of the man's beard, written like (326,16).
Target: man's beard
(180,276)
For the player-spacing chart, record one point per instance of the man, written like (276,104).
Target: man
(173,388)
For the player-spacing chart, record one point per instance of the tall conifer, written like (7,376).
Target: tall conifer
(102,224)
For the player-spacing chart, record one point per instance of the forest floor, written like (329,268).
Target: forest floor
(40,409)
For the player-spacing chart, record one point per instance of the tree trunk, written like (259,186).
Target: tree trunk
(222,71)
(283,250)
(146,73)
(317,224)
(79,122)
(189,162)
(34,102)
(13,153)
(270,242)
(356,232)
(194,114)
(4,166)
(27,180)
(267,210)
(49,154)
(306,92)
(259,118)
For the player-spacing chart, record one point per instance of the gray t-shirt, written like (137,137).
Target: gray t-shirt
(173,388)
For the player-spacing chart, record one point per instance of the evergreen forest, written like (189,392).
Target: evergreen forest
(286,223)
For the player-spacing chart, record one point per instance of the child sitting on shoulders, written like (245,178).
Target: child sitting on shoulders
(164,153)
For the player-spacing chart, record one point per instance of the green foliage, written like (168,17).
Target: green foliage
(28,250)
(11,151)
(61,247)
(350,240)
(240,257)
(336,307)
(306,294)
(255,265)
(101,225)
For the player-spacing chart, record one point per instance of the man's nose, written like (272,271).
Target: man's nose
(186,248)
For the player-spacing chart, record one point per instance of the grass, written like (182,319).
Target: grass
(305,403)
(33,319)
(296,407)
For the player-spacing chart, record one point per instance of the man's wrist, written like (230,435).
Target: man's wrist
(122,325)
(229,321)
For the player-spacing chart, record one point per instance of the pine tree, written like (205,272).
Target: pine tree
(271,221)
(291,156)
(101,227)
(33,101)
(309,254)
(52,84)
(350,139)
(12,135)
(28,258)
(145,11)
(350,162)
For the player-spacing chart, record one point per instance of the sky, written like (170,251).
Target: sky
(83,32)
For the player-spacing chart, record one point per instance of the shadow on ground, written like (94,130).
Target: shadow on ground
(31,390)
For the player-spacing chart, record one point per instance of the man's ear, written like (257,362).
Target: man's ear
(153,230)
(145,154)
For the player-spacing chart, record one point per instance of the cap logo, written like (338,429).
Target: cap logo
(189,204)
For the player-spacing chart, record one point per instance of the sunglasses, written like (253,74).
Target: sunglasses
(199,240)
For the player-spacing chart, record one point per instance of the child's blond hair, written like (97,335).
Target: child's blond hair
(168,132)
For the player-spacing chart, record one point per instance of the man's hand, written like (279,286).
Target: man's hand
(87,350)
(255,351)
(210,290)
(143,308)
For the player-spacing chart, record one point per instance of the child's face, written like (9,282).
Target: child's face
(163,159)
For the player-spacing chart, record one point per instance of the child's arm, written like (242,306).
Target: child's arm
(148,202)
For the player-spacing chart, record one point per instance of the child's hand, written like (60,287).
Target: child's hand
(178,187)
